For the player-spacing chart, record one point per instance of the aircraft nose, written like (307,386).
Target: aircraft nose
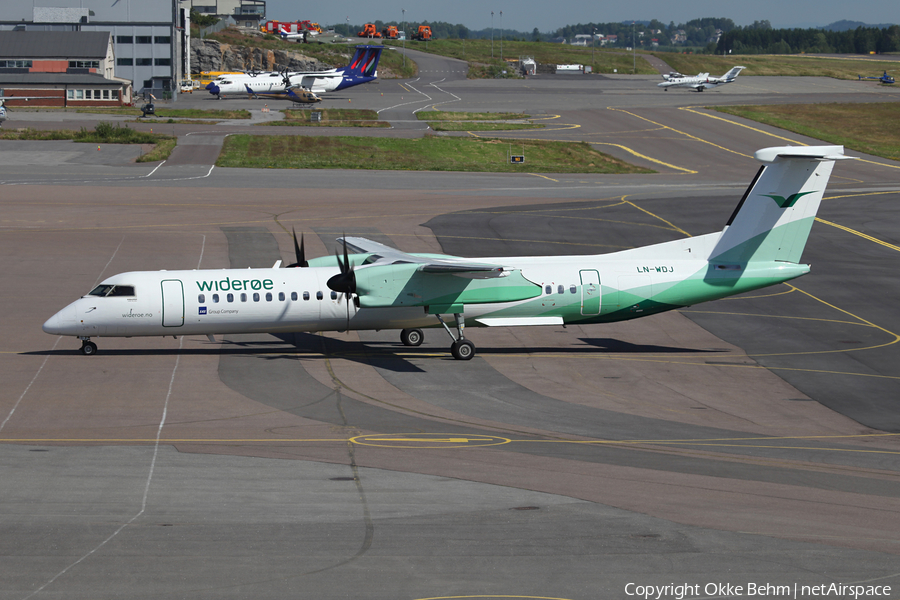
(62,323)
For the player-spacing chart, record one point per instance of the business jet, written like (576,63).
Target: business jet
(701,81)
(362,69)
(379,287)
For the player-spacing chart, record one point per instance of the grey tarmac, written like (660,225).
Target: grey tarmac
(748,440)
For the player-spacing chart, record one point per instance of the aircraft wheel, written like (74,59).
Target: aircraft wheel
(412,337)
(462,350)
(88,348)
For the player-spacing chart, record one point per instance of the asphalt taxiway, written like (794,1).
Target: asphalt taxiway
(748,440)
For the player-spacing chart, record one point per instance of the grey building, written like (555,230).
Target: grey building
(151,38)
(246,13)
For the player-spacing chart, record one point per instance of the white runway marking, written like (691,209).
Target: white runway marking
(162,423)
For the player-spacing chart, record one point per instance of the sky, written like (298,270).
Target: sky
(525,15)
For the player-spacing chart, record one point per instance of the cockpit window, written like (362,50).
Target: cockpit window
(104,289)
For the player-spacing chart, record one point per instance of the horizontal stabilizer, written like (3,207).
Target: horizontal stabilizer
(768,155)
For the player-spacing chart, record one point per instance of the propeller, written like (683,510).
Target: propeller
(345,281)
(285,79)
(298,252)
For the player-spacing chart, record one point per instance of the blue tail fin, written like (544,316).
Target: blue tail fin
(365,61)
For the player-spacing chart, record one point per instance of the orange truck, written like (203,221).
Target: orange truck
(369,31)
(423,34)
(390,32)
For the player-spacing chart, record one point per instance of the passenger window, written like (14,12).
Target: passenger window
(201,298)
(334,295)
(230,297)
(548,289)
(243,297)
(306,295)
(572,289)
(281,296)
(215,298)
(561,289)
(256,296)
(319,295)
(294,296)
(268,296)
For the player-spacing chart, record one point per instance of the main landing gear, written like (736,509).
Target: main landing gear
(88,348)
(461,348)
(412,337)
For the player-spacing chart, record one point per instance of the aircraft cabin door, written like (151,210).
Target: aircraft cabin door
(172,303)
(590,292)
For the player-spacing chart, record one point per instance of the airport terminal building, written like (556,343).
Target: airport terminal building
(151,38)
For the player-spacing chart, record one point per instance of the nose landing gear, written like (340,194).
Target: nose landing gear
(88,348)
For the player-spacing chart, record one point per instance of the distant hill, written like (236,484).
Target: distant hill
(846,25)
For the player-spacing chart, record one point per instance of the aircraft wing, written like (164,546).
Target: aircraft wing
(441,284)
(385,255)
(309,79)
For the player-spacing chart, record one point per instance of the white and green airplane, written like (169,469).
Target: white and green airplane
(383,288)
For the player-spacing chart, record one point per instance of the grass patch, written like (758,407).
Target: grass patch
(173,113)
(485,61)
(467,121)
(331,117)
(430,153)
(440,115)
(861,127)
(481,126)
(104,133)
(775,64)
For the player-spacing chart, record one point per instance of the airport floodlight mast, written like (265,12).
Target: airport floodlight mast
(593,37)
(501,35)
(492,34)
(403,10)
(633,56)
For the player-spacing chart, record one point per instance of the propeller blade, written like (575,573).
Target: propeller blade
(345,281)
(299,252)
(346,258)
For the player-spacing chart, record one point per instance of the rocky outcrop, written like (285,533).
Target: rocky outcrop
(211,55)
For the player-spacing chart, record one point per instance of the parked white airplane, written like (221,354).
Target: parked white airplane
(363,68)
(384,288)
(701,81)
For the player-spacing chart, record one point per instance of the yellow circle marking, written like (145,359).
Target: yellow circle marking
(429,440)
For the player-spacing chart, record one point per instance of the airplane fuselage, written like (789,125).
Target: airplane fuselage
(568,289)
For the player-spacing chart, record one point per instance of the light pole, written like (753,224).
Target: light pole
(633,55)
(501,35)
(403,10)
(492,34)
(593,35)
